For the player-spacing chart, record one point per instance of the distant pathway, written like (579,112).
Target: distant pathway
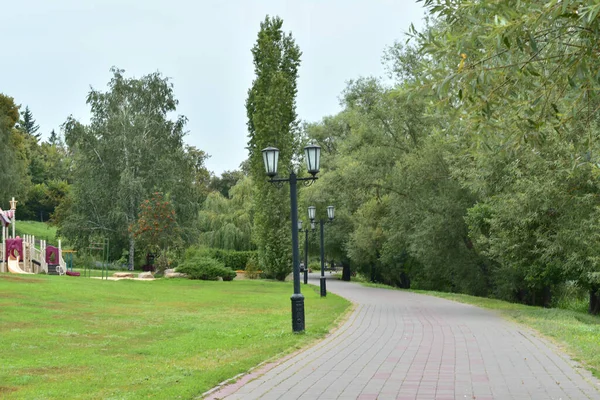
(401,345)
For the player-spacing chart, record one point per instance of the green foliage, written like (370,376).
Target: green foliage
(205,268)
(514,63)
(27,124)
(252,271)
(227,222)
(156,228)
(272,121)
(478,171)
(235,260)
(43,199)
(130,149)
(13,157)
(225,182)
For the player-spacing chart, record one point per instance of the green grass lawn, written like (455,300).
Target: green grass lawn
(74,337)
(40,230)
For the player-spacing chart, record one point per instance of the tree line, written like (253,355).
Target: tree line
(472,167)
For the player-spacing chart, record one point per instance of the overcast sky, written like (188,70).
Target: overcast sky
(53,51)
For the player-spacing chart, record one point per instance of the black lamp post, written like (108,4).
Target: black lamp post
(330,214)
(305,230)
(312,158)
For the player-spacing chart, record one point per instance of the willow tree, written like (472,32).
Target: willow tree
(272,121)
(226,223)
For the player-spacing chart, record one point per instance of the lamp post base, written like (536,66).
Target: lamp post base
(323,287)
(297,312)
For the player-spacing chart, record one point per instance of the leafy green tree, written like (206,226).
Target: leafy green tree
(130,149)
(156,229)
(225,182)
(272,121)
(13,157)
(515,66)
(516,82)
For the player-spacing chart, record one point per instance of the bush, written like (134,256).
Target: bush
(205,268)
(236,260)
(314,266)
(252,271)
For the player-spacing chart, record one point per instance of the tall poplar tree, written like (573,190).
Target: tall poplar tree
(272,121)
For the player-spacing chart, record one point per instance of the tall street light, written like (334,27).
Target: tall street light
(330,214)
(312,157)
(305,230)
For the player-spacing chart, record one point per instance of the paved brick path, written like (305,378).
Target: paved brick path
(400,345)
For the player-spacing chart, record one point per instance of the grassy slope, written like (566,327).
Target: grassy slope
(41,230)
(90,339)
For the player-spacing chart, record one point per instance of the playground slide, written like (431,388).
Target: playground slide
(13,266)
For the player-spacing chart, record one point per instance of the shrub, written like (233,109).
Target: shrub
(236,260)
(314,266)
(252,271)
(205,268)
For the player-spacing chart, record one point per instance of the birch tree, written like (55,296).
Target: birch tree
(130,149)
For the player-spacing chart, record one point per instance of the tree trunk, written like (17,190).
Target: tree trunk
(346,271)
(404,280)
(547,296)
(331,266)
(131,252)
(594,307)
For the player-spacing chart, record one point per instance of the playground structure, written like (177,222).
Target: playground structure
(21,256)
(96,249)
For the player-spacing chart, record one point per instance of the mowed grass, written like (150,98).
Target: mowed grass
(74,337)
(40,230)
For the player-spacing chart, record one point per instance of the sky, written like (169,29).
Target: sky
(54,51)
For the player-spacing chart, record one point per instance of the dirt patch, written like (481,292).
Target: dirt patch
(52,370)
(11,296)
(8,389)
(112,278)
(14,278)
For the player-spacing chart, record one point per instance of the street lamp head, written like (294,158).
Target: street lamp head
(13,204)
(312,210)
(270,158)
(312,157)
(330,212)
(299,225)
(312,225)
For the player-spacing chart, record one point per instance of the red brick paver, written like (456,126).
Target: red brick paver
(401,345)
